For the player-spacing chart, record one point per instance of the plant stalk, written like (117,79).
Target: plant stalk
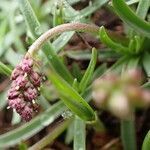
(97,124)
(60,29)
(128,134)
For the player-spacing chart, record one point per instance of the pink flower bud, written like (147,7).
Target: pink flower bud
(30,94)
(17,104)
(36,79)
(27,64)
(16,72)
(12,93)
(26,114)
(21,81)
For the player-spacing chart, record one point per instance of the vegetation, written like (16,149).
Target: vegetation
(59,93)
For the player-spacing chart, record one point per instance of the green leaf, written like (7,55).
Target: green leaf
(17,42)
(52,135)
(79,134)
(89,72)
(146,85)
(71,98)
(129,17)
(111,44)
(76,71)
(30,17)
(3,99)
(92,8)
(142,8)
(88,10)
(103,55)
(71,14)
(23,146)
(132,63)
(146,63)
(146,142)
(62,40)
(130,2)
(5,69)
(128,134)
(118,66)
(31,128)
(13,57)
(70,133)
(99,71)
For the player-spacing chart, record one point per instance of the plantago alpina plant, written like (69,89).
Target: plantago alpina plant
(72,98)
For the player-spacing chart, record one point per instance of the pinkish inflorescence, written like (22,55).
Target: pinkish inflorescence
(24,89)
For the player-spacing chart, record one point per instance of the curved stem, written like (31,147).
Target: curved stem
(82,27)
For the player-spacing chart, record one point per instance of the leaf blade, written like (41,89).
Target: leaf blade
(89,72)
(130,18)
(71,98)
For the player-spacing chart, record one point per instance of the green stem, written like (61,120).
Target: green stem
(128,134)
(97,124)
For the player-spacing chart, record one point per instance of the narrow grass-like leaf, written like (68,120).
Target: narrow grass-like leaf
(30,17)
(89,72)
(62,40)
(5,69)
(43,102)
(75,84)
(146,142)
(146,85)
(71,98)
(53,134)
(131,18)
(118,66)
(29,129)
(13,57)
(128,134)
(76,71)
(107,40)
(3,99)
(146,63)
(142,8)
(92,8)
(79,134)
(17,42)
(88,10)
(130,2)
(70,133)
(103,55)
(99,71)
(132,63)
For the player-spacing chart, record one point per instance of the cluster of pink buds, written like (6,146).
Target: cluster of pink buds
(120,95)
(24,89)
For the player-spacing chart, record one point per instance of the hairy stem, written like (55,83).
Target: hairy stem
(82,27)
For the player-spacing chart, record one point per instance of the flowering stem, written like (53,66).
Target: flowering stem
(128,134)
(82,27)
